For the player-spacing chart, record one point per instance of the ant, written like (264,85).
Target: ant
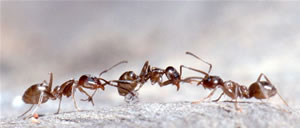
(259,89)
(40,93)
(129,80)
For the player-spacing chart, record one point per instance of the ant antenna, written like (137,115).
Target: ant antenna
(124,61)
(210,65)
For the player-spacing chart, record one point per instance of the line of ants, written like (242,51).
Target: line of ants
(128,82)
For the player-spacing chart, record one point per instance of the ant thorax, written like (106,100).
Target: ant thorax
(234,90)
(156,75)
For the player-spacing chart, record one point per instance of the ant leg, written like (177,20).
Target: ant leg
(209,95)
(124,61)
(262,74)
(141,85)
(58,105)
(94,92)
(193,69)
(120,86)
(50,81)
(188,79)
(235,98)
(191,79)
(273,85)
(167,83)
(26,111)
(38,105)
(283,99)
(236,105)
(216,100)
(90,99)
(210,65)
(73,97)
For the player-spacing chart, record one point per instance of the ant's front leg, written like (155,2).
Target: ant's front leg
(161,84)
(89,99)
(201,100)
(127,82)
(192,79)
(216,100)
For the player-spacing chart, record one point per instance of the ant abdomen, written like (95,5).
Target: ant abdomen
(262,90)
(156,75)
(33,93)
(130,76)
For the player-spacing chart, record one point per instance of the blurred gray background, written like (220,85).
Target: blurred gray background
(240,39)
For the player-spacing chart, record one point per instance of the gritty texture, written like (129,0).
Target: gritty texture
(166,115)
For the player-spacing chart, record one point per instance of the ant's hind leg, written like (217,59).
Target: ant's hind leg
(267,79)
(282,99)
(216,100)
(38,105)
(210,94)
(26,111)
(236,105)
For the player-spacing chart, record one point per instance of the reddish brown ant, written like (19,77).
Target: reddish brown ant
(41,92)
(129,80)
(259,89)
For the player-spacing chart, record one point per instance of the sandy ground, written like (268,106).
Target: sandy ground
(167,115)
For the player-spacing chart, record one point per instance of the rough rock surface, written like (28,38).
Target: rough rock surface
(168,115)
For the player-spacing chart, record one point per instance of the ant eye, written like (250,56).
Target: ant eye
(208,79)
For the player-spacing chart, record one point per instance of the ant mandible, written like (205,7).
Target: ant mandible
(41,92)
(259,89)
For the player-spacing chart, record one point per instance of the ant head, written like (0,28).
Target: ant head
(262,90)
(172,73)
(211,81)
(89,81)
